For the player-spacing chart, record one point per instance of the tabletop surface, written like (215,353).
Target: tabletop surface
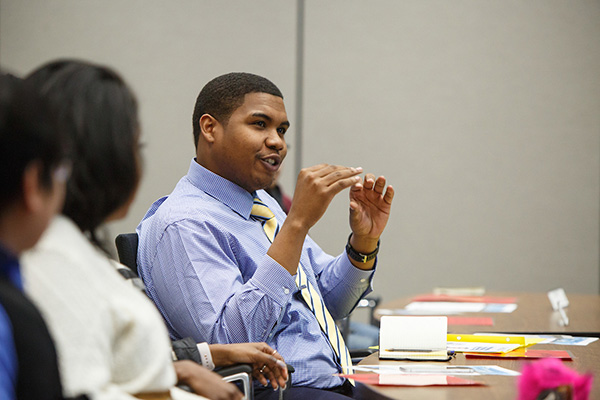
(586,359)
(533,314)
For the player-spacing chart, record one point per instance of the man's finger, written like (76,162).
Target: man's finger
(369,181)
(274,363)
(379,185)
(389,195)
(340,173)
(315,167)
(342,184)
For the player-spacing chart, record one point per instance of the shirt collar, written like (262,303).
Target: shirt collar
(227,192)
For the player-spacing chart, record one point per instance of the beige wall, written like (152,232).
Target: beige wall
(484,115)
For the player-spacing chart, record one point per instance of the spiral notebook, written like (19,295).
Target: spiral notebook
(413,338)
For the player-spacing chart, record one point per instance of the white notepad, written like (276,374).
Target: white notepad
(413,338)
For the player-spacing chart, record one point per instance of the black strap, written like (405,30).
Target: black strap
(38,375)
(186,349)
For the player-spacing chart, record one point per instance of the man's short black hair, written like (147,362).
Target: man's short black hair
(223,95)
(27,136)
(98,112)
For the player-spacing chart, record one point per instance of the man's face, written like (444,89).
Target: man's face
(249,149)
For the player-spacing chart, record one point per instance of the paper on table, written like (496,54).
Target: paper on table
(487,343)
(499,308)
(475,347)
(525,353)
(575,341)
(445,307)
(528,338)
(460,291)
(413,338)
(465,299)
(411,380)
(426,368)
(438,369)
(404,311)
(554,339)
(481,321)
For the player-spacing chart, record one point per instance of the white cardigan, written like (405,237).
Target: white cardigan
(110,339)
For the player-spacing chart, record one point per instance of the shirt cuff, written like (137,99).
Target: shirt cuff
(205,356)
(275,281)
(355,276)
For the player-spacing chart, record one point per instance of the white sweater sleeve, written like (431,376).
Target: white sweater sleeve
(110,339)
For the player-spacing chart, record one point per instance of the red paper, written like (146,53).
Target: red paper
(481,321)
(411,380)
(465,299)
(525,353)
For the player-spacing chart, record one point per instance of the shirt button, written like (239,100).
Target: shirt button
(286,290)
(363,279)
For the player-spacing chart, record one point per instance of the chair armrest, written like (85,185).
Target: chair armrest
(291,370)
(358,354)
(234,369)
(241,373)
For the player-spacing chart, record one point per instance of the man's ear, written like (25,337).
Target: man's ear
(34,195)
(208,127)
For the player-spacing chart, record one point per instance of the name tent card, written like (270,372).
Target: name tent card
(558,299)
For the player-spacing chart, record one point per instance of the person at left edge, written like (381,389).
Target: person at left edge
(111,341)
(33,172)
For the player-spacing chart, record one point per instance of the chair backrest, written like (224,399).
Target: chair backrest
(127,246)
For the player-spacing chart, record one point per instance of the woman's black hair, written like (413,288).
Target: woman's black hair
(98,112)
(27,135)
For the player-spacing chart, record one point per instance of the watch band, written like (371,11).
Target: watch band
(361,257)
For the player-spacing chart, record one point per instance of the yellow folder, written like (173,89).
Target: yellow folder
(522,341)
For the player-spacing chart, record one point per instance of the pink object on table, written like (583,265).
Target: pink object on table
(551,374)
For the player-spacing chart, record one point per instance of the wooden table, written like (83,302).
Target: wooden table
(586,359)
(534,314)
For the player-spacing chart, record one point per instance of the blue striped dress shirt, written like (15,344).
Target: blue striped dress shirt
(204,263)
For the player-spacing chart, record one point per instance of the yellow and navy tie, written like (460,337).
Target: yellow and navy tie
(262,213)
(313,299)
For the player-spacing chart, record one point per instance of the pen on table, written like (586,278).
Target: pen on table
(412,350)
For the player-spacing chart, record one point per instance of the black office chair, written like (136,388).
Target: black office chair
(127,246)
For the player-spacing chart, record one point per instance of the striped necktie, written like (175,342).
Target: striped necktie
(262,213)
